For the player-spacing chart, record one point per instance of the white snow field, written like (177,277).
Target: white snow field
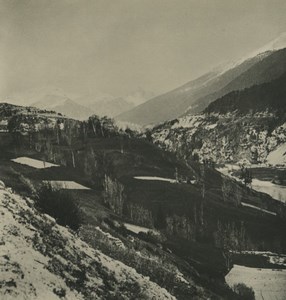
(276,191)
(267,284)
(155,178)
(35,163)
(31,260)
(136,229)
(66,185)
(258,208)
(278,156)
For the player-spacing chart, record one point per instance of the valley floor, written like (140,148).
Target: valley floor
(267,283)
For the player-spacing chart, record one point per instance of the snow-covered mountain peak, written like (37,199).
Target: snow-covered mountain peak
(274,45)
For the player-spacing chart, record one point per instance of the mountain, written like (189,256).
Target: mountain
(107,105)
(139,96)
(34,95)
(111,107)
(79,106)
(194,96)
(270,96)
(64,106)
(83,107)
(243,124)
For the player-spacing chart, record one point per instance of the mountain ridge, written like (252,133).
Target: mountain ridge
(194,96)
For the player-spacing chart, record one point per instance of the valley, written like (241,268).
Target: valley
(183,219)
(177,194)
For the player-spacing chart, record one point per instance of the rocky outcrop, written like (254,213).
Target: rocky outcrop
(223,137)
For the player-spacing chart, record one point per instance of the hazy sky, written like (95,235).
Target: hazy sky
(116,46)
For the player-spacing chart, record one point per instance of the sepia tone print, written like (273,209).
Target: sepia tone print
(142,149)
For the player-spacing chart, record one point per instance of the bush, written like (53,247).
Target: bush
(59,204)
(244,291)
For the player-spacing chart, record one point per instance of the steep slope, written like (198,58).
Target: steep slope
(198,212)
(242,124)
(139,96)
(193,97)
(271,67)
(42,260)
(269,96)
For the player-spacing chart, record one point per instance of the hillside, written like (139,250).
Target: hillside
(247,124)
(197,212)
(269,96)
(42,260)
(194,96)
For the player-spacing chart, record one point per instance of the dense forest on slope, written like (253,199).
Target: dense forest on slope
(269,96)
(196,95)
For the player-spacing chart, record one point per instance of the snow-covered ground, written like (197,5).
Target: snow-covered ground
(40,259)
(67,185)
(155,178)
(189,122)
(258,208)
(228,169)
(267,283)
(276,191)
(35,163)
(111,238)
(136,229)
(278,156)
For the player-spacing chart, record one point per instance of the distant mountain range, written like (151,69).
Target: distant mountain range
(73,109)
(262,66)
(80,107)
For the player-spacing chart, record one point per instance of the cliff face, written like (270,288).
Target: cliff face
(223,138)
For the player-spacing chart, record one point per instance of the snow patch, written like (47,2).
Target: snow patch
(66,185)
(136,229)
(266,283)
(155,178)
(276,191)
(278,156)
(258,208)
(34,163)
